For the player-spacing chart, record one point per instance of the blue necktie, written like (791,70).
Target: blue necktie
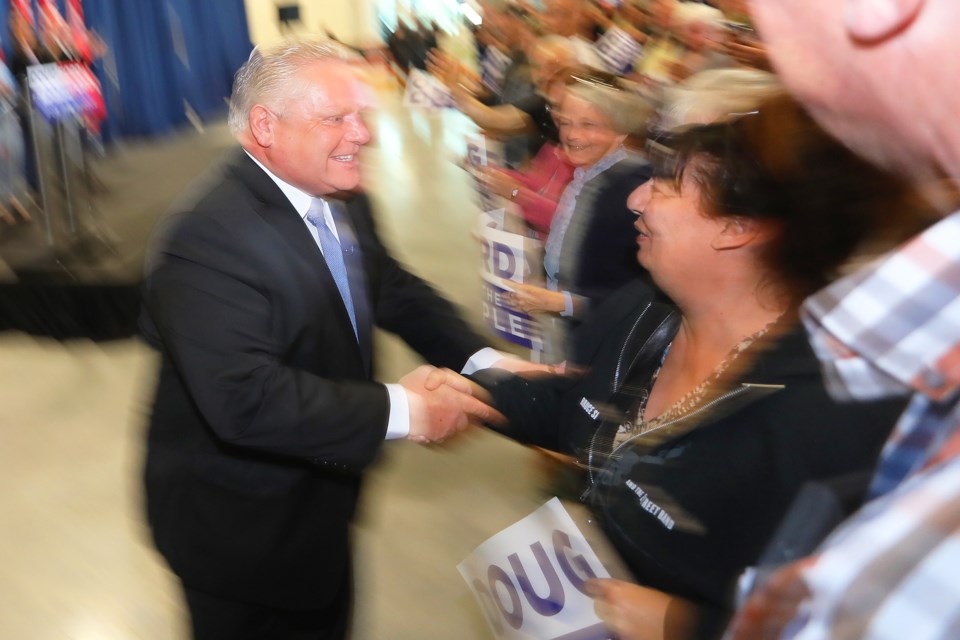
(333,254)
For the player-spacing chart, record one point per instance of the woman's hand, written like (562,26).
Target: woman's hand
(444,68)
(773,605)
(451,73)
(497,181)
(530,299)
(633,612)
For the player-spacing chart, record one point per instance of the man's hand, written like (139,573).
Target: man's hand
(772,605)
(633,612)
(443,403)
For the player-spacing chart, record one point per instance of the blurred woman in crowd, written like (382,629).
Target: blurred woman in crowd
(529,114)
(589,252)
(702,31)
(537,189)
(701,410)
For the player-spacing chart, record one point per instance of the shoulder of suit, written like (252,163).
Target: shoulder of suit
(217,197)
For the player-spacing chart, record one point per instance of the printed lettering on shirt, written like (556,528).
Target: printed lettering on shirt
(591,410)
(650,506)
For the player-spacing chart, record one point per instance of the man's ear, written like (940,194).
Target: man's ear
(874,20)
(262,122)
(736,232)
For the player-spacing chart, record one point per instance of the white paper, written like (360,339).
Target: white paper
(617,50)
(507,257)
(528,579)
(423,90)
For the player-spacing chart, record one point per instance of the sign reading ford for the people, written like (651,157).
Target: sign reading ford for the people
(507,258)
(529,579)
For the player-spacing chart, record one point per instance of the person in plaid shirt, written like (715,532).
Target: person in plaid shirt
(882,76)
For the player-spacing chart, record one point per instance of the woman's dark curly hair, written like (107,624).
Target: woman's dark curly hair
(776,164)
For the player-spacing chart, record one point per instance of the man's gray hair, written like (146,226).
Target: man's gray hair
(267,77)
(559,47)
(716,95)
(689,13)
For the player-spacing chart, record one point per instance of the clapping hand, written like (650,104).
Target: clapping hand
(498,182)
(443,403)
(443,67)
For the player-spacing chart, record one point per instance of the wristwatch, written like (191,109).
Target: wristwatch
(514,193)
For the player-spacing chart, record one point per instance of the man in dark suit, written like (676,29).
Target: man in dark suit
(262,290)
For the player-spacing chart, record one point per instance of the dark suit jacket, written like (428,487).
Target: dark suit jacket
(265,414)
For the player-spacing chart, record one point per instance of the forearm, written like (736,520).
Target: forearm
(533,406)
(501,119)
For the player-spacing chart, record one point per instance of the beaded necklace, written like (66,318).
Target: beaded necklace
(635,424)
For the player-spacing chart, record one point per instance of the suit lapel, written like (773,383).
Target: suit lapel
(275,209)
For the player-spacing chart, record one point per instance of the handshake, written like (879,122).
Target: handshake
(443,403)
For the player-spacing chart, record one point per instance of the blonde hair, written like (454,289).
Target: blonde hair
(688,13)
(627,112)
(715,95)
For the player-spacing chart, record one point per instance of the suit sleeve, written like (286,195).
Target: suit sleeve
(208,307)
(412,309)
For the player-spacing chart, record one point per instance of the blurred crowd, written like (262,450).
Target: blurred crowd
(719,375)
(688,207)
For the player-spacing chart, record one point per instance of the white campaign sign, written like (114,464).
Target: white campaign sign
(617,50)
(506,258)
(423,90)
(529,579)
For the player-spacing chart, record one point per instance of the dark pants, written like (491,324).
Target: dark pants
(214,618)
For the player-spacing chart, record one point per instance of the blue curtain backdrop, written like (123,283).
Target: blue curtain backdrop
(165,57)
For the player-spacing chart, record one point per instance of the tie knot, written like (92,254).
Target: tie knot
(316,214)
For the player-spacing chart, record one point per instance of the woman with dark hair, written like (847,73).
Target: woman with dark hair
(701,410)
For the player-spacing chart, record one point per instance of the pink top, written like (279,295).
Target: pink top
(544,182)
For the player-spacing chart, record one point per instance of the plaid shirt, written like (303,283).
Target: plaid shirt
(894,329)
(891,571)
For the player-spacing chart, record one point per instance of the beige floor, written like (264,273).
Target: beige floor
(75,559)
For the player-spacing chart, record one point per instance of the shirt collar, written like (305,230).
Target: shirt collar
(584,174)
(894,326)
(301,200)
